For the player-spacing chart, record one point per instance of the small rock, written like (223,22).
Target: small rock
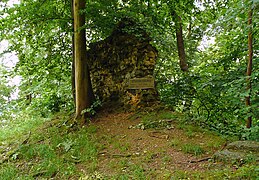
(244,146)
(238,150)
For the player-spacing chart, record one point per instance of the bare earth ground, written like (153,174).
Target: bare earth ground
(156,152)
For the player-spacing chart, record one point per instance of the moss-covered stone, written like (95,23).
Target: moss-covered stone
(245,146)
(239,150)
(119,58)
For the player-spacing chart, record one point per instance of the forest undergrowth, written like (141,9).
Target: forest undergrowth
(143,145)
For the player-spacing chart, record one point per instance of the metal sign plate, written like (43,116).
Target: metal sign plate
(142,83)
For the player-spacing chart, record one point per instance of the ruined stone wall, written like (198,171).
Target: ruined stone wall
(116,60)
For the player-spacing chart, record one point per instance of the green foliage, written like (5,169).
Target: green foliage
(92,110)
(252,133)
(39,34)
(6,90)
(213,92)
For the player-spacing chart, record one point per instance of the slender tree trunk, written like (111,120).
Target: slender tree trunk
(73,56)
(83,87)
(180,41)
(29,95)
(73,74)
(249,67)
(189,30)
(181,53)
(28,99)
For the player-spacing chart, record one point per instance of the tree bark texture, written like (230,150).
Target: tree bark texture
(73,55)
(83,88)
(180,41)
(249,67)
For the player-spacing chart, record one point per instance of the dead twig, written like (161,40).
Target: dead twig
(27,139)
(114,155)
(159,135)
(200,160)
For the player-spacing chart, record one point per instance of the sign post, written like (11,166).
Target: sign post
(142,83)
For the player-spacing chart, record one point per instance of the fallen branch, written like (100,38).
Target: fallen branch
(40,173)
(159,135)
(207,158)
(120,155)
(115,155)
(200,160)
(27,139)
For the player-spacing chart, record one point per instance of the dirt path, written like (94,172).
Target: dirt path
(153,151)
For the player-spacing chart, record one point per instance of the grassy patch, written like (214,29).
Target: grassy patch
(175,142)
(245,172)
(50,152)
(192,149)
(138,172)
(168,115)
(20,125)
(159,120)
(9,171)
(123,147)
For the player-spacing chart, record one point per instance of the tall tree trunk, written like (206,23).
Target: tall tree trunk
(83,87)
(249,68)
(181,53)
(29,95)
(180,41)
(73,55)
(73,73)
